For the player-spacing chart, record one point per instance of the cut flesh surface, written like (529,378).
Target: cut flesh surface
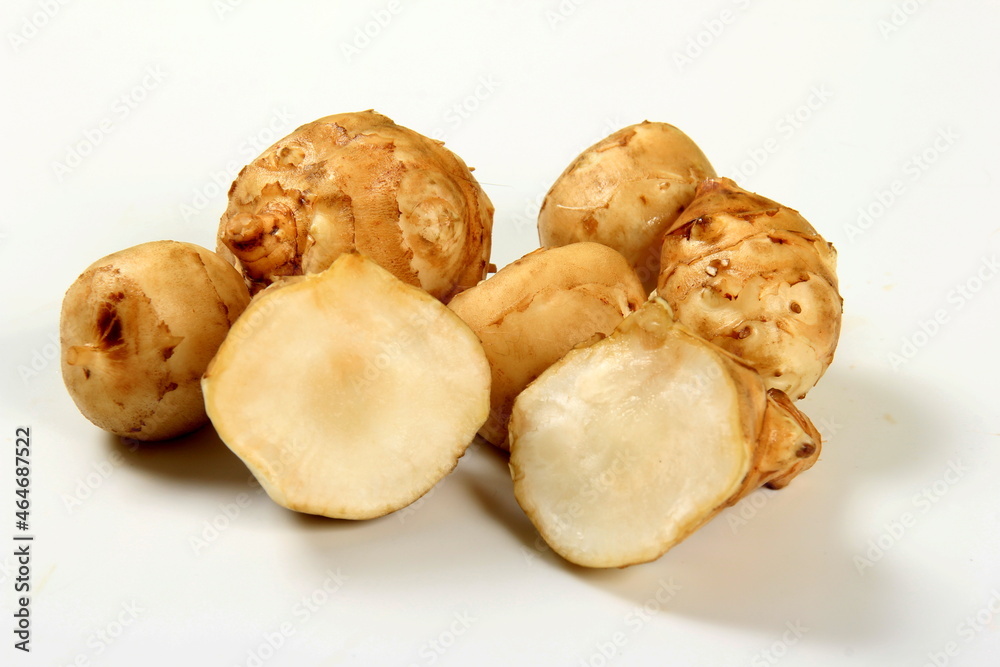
(348,393)
(623,448)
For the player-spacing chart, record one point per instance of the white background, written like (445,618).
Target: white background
(884,553)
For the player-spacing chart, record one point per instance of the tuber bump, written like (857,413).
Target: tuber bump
(359,182)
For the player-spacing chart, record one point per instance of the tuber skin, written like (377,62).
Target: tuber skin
(137,330)
(359,182)
(625,191)
(538,308)
(755,278)
(622,449)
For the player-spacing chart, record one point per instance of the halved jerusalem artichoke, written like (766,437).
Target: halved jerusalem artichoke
(138,329)
(621,449)
(359,182)
(624,192)
(348,393)
(755,278)
(538,308)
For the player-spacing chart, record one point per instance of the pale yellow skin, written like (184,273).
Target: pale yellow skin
(348,393)
(755,278)
(537,309)
(359,182)
(139,327)
(625,191)
(622,449)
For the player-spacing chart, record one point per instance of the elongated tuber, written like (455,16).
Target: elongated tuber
(537,309)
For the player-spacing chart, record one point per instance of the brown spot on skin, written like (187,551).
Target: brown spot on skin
(590,225)
(741,333)
(806,450)
(795,307)
(777,374)
(86,373)
(775,239)
(109,327)
(643,199)
(117,297)
(168,352)
(170,387)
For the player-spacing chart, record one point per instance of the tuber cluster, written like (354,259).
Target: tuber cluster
(639,367)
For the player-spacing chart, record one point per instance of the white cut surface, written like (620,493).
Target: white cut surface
(622,448)
(349,393)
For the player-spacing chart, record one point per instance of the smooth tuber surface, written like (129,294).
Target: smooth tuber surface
(138,328)
(625,191)
(537,309)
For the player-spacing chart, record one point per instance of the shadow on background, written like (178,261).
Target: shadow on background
(792,558)
(198,458)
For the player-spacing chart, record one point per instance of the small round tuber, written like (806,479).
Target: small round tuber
(138,329)
(624,192)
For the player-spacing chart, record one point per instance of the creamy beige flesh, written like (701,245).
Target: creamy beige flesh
(623,448)
(348,393)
